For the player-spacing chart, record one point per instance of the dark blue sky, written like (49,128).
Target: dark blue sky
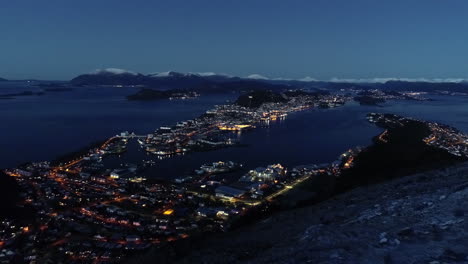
(58,39)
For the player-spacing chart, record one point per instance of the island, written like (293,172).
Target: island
(151,95)
(25,93)
(378,96)
(257,98)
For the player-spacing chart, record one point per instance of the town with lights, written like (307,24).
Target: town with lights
(84,211)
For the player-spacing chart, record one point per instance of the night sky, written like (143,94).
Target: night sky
(59,39)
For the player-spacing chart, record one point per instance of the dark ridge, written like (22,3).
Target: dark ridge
(296,93)
(368,100)
(110,79)
(238,86)
(150,94)
(10,196)
(257,98)
(345,85)
(425,86)
(395,86)
(404,153)
(174,80)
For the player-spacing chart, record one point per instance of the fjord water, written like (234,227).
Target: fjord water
(36,128)
(313,136)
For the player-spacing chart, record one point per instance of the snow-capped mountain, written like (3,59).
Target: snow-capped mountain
(257,77)
(221,82)
(205,81)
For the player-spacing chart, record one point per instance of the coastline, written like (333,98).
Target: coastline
(110,189)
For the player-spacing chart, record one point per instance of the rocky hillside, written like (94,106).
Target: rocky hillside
(415,219)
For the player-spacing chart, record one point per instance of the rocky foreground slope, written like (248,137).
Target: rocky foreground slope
(415,219)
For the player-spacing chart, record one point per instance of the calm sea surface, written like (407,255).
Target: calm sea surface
(35,128)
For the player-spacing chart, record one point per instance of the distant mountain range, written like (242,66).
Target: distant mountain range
(161,80)
(391,85)
(212,82)
(201,82)
(3,80)
(424,86)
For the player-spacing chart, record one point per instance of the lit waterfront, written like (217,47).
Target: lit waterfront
(83,116)
(83,195)
(109,197)
(112,210)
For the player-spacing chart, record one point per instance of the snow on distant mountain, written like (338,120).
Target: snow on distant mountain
(189,74)
(206,81)
(160,74)
(170,74)
(113,71)
(257,77)
(117,71)
(308,79)
(217,82)
(206,74)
